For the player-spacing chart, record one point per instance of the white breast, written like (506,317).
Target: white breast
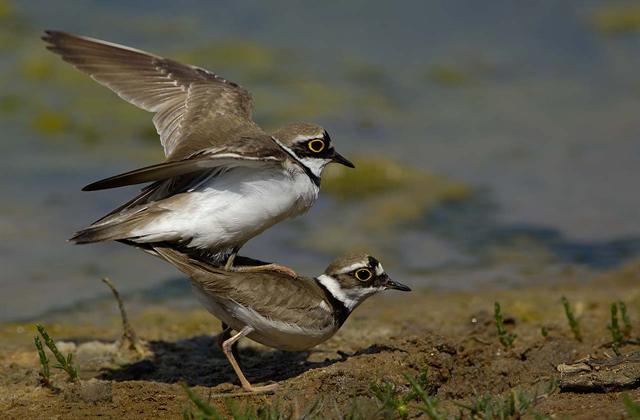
(228,209)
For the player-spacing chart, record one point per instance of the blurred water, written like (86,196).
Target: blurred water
(525,102)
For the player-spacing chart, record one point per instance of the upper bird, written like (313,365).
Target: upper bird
(224,180)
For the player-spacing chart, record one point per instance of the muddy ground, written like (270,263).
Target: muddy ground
(451,336)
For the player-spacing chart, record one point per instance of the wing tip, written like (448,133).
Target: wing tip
(52,35)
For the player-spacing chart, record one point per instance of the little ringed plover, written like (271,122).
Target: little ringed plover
(279,310)
(224,180)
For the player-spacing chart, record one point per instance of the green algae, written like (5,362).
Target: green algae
(448,75)
(38,68)
(617,20)
(376,200)
(243,59)
(394,192)
(10,103)
(50,122)
(364,73)
(7,10)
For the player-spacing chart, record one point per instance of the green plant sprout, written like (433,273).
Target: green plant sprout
(65,364)
(505,337)
(45,372)
(626,321)
(573,322)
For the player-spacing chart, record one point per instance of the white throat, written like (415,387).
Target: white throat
(315,165)
(350,298)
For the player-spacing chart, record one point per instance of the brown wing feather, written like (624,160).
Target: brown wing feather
(272,294)
(192,105)
(173,169)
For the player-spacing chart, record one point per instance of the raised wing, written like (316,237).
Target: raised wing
(194,108)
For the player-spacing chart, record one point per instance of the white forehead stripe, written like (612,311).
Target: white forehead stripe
(379,270)
(353,267)
(302,137)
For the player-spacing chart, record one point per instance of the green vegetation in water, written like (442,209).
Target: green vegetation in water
(6,9)
(365,73)
(50,123)
(249,61)
(617,20)
(448,75)
(573,322)
(506,338)
(632,407)
(393,192)
(64,363)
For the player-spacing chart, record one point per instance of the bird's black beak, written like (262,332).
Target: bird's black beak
(390,284)
(338,158)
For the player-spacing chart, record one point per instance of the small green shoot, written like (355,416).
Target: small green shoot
(249,411)
(393,403)
(573,322)
(514,405)
(205,410)
(544,331)
(391,400)
(65,364)
(626,321)
(632,407)
(429,404)
(616,334)
(45,372)
(505,337)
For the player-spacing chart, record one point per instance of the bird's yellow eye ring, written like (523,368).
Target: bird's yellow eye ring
(316,145)
(363,274)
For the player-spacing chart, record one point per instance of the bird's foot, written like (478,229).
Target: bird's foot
(260,389)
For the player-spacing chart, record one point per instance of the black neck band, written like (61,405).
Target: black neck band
(340,311)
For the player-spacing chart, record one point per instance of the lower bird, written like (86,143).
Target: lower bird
(280,310)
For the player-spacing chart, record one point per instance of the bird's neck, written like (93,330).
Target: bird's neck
(343,301)
(312,169)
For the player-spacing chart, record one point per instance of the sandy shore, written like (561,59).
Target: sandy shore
(450,336)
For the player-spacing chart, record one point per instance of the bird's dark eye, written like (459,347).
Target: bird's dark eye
(363,274)
(316,145)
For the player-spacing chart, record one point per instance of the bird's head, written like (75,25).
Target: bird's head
(353,278)
(311,145)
